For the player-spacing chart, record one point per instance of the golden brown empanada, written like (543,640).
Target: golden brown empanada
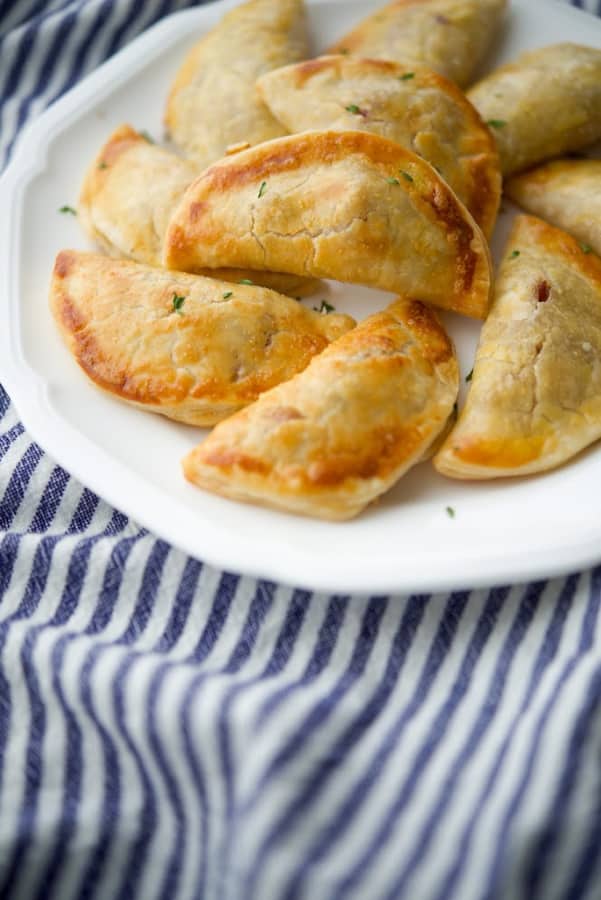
(128,196)
(566,193)
(192,348)
(339,435)
(449,36)
(535,395)
(346,205)
(417,108)
(544,104)
(213,102)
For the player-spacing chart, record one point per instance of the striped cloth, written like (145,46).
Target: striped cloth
(170,731)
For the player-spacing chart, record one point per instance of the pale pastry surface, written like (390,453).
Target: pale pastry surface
(449,36)
(334,438)
(424,112)
(213,102)
(565,193)
(191,348)
(128,196)
(544,104)
(535,395)
(351,206)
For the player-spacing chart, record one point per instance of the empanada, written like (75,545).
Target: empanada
(347,205)
(566,193)
(417,108)
(544,104)
(535,395)
(339,435)
(128,196)
(449,36)
(213,102)
(191,348)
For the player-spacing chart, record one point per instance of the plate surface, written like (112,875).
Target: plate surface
(502,532)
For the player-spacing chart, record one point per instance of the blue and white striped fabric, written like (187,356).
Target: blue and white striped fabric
(170,731)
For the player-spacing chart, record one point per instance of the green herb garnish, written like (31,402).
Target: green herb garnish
(468,377)
(450,512)
(69,210)
(177,302)
(262,189)
(515,254)
(586,248)
(407,76)
(325,307)
(227,295)
(406,176)
(393,181)
(102,165)
(146,137)
(353,108)
(245,281)
(344,51)
(497,123)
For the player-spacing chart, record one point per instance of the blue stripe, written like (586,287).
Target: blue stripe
(344,817)
(324,647)
(17,485)
(9,437)
(50,500)
(314,720)
(543,659)
(4,402)
(91,876)
(153,572)
(493,697)
(181,606)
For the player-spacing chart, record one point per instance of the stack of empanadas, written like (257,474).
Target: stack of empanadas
(367,166)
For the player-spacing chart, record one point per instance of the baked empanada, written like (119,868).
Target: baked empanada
(347,205)
(339,435)
(566,193)
(213,102)
(191,348)
(128,196)
(544,104)
(449,36)
(417,108)
(535,395)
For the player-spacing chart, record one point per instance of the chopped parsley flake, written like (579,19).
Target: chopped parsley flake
(102,165)
(325,308)
(468,377)
(262,189)
(177,302)
(515,254)
(245,281)
(227,295)
(407,76)
(393,181)
(406,176)
(586,248)
(497,123)
(147,137)
(69,210)
(450,512)
(344,51)
(353,108)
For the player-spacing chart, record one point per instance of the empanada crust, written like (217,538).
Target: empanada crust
(213,103)
(128,196)
(346,205)
(336,437)
(417,108)
(544,104)
(449,36)
(535,395)
(218,352)
(566,193)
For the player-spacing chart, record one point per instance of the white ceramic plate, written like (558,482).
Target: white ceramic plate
(502,532)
